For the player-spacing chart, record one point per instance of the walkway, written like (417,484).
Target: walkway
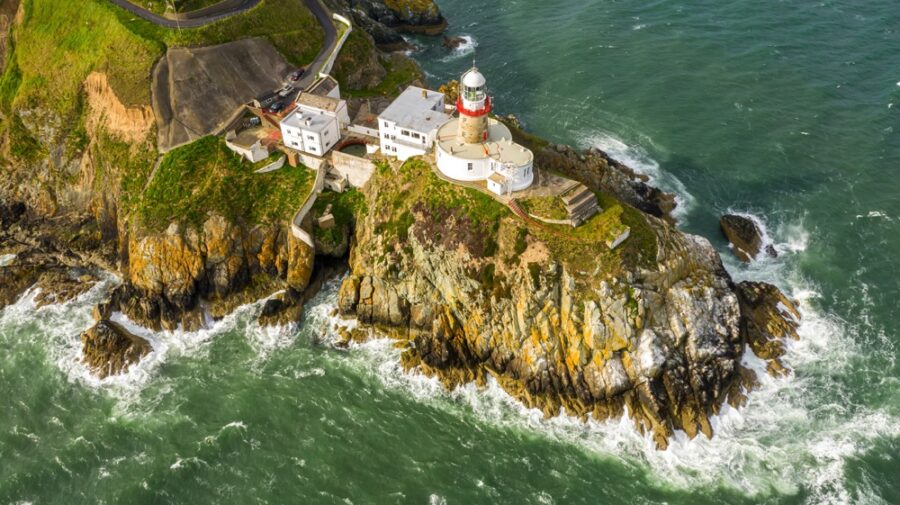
(214,14)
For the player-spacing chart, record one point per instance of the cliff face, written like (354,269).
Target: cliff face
(221,263)
(660,336)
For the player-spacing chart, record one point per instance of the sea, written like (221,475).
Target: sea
(786,111)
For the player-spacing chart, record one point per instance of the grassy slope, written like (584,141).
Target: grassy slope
(205,176)
(161,6)
(61,41)
(583,250)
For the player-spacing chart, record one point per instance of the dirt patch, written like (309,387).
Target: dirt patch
(131,124)
(197,90)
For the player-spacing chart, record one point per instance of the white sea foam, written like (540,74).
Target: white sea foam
(61,325)
(465,48)
(636,158)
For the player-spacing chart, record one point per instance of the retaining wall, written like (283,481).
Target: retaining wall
(357,170)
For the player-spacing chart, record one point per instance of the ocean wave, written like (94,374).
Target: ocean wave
(636,158)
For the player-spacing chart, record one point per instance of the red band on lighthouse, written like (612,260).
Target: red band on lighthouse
(476,112)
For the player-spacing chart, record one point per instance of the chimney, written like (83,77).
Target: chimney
(425,94)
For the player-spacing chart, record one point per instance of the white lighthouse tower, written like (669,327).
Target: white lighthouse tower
(476,147)
(474,106)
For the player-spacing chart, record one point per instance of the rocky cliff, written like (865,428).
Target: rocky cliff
(654,327)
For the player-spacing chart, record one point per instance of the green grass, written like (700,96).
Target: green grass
(345,207)
(161,6)
(205,177)
(415,187)
(61,42)
(548,207)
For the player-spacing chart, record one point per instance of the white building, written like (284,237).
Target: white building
(314,125)
(247,145)
(475,147)
(408,126)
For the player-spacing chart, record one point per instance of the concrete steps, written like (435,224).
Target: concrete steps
(581,204)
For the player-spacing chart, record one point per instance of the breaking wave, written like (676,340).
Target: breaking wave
(640,161)
(465,48)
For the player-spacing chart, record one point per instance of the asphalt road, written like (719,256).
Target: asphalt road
(215,14)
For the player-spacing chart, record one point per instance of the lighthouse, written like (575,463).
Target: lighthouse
(475,147)
(474,106)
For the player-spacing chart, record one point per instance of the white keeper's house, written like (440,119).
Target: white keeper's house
(408,126)
(476,147)
(314,125)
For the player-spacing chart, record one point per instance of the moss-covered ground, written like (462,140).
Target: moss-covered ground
(205,176)
(60,42)
(344,207)
(399,193)
(161,6)
(548,207)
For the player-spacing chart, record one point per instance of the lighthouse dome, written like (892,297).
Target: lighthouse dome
(473,79)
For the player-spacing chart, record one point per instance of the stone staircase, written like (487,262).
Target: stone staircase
(581,203)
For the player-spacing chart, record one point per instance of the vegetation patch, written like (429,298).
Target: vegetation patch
(548,207)
(346,207)
(454,214)
(204,178)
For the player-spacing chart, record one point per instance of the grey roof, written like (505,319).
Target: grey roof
(306,120)
(414,109)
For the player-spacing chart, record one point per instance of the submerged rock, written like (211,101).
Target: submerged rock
(109,349)
(745,237)
(452,43)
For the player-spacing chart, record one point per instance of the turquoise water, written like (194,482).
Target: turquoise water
(782,110)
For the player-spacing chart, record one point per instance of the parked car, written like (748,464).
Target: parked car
(251,122)
(285,91)
(276,107)
(296,75)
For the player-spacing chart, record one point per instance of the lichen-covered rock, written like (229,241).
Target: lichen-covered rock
(169,273)
(660,338)
(109,349)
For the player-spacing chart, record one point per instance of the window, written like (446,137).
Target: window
(415,135)
(310,137)
(294,143)
(385,124)
(404,132)
(387,136)
(470,167)
(394,148)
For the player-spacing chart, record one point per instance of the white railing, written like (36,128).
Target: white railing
(296,223)
(329,63)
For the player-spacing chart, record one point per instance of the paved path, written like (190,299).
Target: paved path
(213,16)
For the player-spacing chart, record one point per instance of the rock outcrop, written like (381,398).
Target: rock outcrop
(659,337)
(385,20)
(745,236)
(768,319)
(170,273)
(109,349)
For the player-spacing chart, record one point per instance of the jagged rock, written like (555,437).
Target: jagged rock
(452,43)
(745,237)
(109,349)
(663,342)
(60,286)
(767,319)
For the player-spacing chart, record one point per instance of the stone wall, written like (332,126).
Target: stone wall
(357,170)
